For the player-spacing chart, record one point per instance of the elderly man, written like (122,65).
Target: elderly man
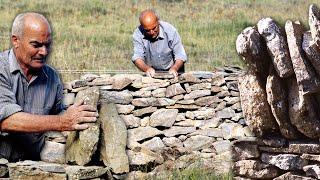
(157,46)
(31,92)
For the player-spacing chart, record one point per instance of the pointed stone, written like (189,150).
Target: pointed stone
(307,80)
(277,46)
(114,139)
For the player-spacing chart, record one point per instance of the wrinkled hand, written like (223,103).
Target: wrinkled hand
(173,72)
(150,72)
(77,115)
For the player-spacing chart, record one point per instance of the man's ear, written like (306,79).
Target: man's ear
(15,41)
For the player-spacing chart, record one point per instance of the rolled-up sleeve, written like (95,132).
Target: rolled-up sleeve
(138,48)
(8,103)
(178,49)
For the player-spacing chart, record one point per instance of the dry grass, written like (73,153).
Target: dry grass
(96,34)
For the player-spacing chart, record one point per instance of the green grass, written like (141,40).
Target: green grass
(96,34)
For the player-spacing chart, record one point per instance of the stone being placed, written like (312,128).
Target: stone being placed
(277,97)
(81,145)
(302,111)
(312,51)
(307,80)
(114,139)
(255,106)
(163,117)
(284,161)
(277,46)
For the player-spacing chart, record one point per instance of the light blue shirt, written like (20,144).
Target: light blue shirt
(163,51)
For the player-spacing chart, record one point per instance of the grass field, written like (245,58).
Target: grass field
(96,34)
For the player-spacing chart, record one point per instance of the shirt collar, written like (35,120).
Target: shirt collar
(14,65)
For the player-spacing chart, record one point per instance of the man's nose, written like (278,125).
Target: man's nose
(44,50)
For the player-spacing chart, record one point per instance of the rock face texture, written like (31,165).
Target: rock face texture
(292,152)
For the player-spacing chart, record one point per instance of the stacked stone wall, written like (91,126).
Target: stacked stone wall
(279,96)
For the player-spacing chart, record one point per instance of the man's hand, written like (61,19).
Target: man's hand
(77,115)
(173,72)
(150,72)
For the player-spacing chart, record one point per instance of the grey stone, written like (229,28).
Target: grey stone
(277,46)
(284,161)
(277,98)
(165,102)
(210,132)
(114,139)
(255,105)
(140,93)
(255,169)
(163,75)
(302,111)
(53,152)
(200,86)
(177,130)
(225,113)
(145,121)
(204,113)
(307,80)
(197,142)
(211,123)
(143,111)
(202,74)
(197,93)
(78,83)
(141,133)
(184,106)
(144,102)
(172,142)
(312,51)
(89,172)
(161,92)
(293,175)
(122,97)
(80,146)
(102,80)
(131,121)
(242,150)
(163,117)
(222,146)
(121,82)
(188,78)
(124,109)
(143,157)
(312,170)
(174,89)
(207,101)
(155,144)
(314,20)
(190,101)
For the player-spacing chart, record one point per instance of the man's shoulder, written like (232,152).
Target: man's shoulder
(4,63)
(51,72)
(167,26)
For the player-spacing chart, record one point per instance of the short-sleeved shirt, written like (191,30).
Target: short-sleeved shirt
(161,52)
(42,95)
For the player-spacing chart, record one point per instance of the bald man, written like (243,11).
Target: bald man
(157,46)
(31,92)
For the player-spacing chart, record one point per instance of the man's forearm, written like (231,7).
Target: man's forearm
(141,65)
(177,65)
(26,122)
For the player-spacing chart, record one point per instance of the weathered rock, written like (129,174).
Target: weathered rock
(225,113)
(201,114)
(145,121)
(232,130)
(131,121)
(53,152)
(78,83)
(30,170)
(312,170)
(177,130)
(252,50)
(183,106)
(197,142)
(188,78)
(143,111)
(284,161)
(307,80)
(314,21)
(174,89)
(114,139)
(255,169)
(255,106)
(311,157)
(293,175)
(201,86)
(121,82)
(277,46)
(141,133)
(302,111)
(165,102)
(278,100)
(242,150)
(163,117)
(210,132)
(141,93)
(144,102)
(122,97)
(124,109)
(190,101)
(172,142)
(80,146)
(222,146)
(207,101)
(89,172)
(312,51)
(155,144)
(161,92)
(196,94)
(143,157)
(163,75)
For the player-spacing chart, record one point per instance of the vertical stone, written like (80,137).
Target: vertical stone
(255,105)
(81,145)
(312,51)
(302,112)
(114,139)
(305,74)
(314,23)
(277,46)
(278,100)
(250,47)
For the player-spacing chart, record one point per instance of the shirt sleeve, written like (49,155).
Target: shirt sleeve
(8,102)
(138,48)
(178,49)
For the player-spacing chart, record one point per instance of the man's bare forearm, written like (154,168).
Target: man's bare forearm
(177,65)
(141,65)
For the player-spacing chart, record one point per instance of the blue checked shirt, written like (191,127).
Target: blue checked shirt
(162,52)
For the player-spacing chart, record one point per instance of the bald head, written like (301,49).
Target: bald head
(148,17)
(30,20)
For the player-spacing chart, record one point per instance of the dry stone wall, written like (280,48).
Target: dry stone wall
(280,100)
(147,127)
